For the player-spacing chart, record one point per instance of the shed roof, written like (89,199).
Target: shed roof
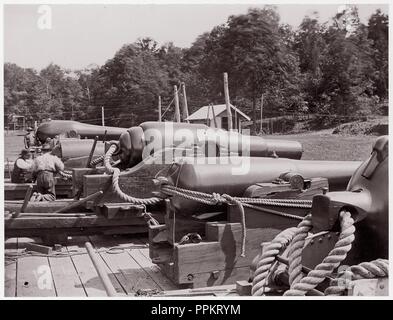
(204,113)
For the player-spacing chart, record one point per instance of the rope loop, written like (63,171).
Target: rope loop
(115,182)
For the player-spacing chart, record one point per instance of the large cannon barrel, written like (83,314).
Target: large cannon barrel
(238,173)
(141,141)
(75,148)
(52,128)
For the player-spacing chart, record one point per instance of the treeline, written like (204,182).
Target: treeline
(336,68)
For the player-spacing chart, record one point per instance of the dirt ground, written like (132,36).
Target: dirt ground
(316,145)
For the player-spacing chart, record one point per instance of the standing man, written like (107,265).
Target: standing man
(29,138)
(22,168)
(44,168)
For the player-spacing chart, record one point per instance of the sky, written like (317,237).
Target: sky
(80,35)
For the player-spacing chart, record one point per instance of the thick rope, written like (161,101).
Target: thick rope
(327,266)
(66,174)
(366,270)
(97,160)
(115,181)
(215,198)
(266,261)
(295,250)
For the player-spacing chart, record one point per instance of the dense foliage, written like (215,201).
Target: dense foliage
(338,68)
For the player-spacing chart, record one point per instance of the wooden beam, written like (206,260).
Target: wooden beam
(159,109)
(26,200)
(79,203)
(227,101)
(185,104)
(177,108)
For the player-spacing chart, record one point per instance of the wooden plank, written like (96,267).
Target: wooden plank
(10,268)
(221,254)
(34,276)
(85,269)
(70,222)
(152,269)
(65,277)
(39,206)
(369,287)
(128,272)
(15,191)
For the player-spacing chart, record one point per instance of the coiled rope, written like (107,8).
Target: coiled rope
(366,270)
(296,237)
(268,258)
(115,172)
(300,285)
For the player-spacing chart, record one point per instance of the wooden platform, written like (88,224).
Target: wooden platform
(73,275)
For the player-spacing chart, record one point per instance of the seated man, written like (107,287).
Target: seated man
(22,168)
(44,168)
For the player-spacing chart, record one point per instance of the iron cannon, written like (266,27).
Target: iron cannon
(52,128)
(143,140)
(235,174)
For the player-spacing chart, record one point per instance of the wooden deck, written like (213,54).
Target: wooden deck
(73,275)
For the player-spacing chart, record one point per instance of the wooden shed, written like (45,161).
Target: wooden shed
(206,115)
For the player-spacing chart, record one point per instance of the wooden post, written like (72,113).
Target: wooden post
(214,116)
(159,109)
(227,102)
(177,108)
(235,125)
(102,116)
(185,104)
(207,117)
(26,200)
(260,130)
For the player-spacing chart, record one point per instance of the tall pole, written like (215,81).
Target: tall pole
(177,109)
(260,130)
(159,109)
(185,105)
(214,116)
(235,124)
(226,92)
(102,116)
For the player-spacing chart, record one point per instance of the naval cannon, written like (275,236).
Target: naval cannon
(151,147)
(73,129)
(141,141)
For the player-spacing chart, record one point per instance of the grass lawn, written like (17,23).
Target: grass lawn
(326,146)
(13,144)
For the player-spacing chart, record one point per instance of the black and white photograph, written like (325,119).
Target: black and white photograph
(226,150)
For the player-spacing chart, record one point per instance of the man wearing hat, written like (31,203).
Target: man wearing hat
(44,168)
(29,138)
(22,168)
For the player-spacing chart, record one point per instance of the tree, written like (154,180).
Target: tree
(378,32)
(257,60)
